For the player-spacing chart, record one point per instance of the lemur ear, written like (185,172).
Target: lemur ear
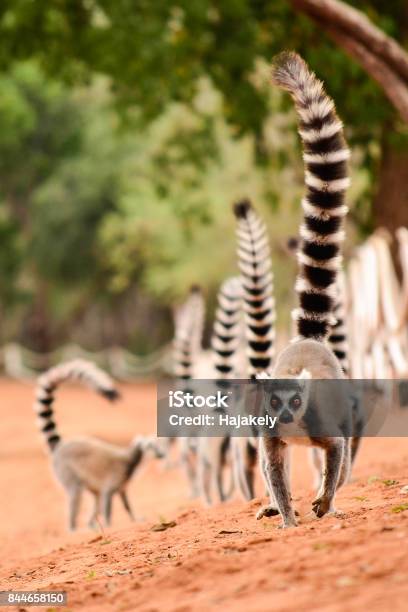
(263,376)
(305,377)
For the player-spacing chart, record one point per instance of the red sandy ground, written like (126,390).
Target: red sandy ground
(219,558)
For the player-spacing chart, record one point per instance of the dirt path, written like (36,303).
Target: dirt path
(219,558)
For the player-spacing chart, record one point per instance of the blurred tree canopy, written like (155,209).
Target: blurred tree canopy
(56,184)
(128,127)
(156,53)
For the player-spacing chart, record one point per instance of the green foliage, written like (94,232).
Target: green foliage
(174,225)
(156,52)
(57,181)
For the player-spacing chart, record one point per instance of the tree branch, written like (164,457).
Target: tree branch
(355,24)
(393,86)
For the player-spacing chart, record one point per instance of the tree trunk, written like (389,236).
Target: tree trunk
(390,206)
(35,332)
(382,57)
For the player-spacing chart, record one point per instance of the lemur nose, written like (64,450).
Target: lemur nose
(286,417)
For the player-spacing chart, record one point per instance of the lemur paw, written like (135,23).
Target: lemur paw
(267,511)
(337,513)
(321,506)
(288,525)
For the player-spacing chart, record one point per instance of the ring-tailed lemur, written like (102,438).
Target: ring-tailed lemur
(338,342)
(87,463)
(326,175)
(254,262)
(188,331)
(212,453)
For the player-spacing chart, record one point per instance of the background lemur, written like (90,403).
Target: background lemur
(254,263)
(87,463)
(325,156)
(213,451)
(188,332)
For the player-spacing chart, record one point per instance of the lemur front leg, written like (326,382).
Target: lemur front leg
(271,509)
(334,456)
(275,453)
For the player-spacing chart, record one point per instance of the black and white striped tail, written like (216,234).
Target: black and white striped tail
(254,262)
(80,370)
(325,154)
(189,324)
(225,338)
(338,337)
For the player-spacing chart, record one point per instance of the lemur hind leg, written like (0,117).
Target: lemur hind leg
(205,475)
(189,462)
(358,429)
(107,506)
(334,457)
(346,464)
(244,465)
(250,464)
(92,522)
(74,498)
(277,476)
(218,481)
(126,504)
(317,459)
(355,445)
(224,464)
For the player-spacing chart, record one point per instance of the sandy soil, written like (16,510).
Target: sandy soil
(219,558)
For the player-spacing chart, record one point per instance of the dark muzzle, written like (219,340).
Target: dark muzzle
(285,417)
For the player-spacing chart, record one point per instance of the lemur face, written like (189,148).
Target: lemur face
(287,399)
(286,405)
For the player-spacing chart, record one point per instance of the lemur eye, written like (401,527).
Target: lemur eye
(296,401)
(274,402)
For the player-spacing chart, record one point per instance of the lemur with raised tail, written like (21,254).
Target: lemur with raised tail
(188,331)
(87,463)
(338,342)
(308,357)
(213,451)
(254,262)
